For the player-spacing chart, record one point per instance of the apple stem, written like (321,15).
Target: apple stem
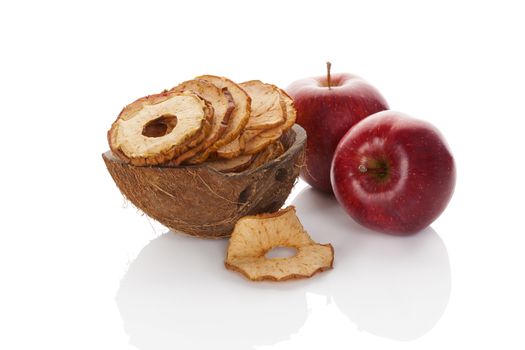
(328,67)
(380,170)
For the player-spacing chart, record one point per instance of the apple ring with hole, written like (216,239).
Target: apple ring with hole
(254,236)
(157,128)
(223,105)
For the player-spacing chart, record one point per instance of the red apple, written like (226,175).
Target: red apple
(393,173)
(327,107)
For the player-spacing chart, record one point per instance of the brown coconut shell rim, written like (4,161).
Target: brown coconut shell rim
(299,134)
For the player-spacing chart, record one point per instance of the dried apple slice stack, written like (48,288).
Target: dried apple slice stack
(272,114)
(232,127)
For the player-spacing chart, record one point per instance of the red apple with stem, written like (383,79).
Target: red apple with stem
(327,107)
(393,173)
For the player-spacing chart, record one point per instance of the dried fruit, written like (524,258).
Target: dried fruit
(254,236)
(247,135)
(291,113)
(222,103)
(231,150)
(269,153)
(155,129)
(262,140)
(240,114)
(266,109)
(256,141)
(232,165)
(232,124)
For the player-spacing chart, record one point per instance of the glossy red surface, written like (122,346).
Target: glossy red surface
(326,114)
(393,173)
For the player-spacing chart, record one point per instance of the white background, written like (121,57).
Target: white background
(80,269)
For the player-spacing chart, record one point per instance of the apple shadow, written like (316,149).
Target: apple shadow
(389,286)
(177,294)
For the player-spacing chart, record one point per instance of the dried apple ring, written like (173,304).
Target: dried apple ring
(232,165)
(266,155)
(222,103)
(266,109)
(157,128)
(254,236)
(239,116)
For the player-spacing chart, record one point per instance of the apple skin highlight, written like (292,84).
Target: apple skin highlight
(393,173)
(327,112)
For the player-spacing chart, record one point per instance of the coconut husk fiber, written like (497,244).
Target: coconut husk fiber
(201,201)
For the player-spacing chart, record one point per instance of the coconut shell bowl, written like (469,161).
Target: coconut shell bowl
(201,201)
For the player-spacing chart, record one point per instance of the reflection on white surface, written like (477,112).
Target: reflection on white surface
(177,290)
(394,287)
